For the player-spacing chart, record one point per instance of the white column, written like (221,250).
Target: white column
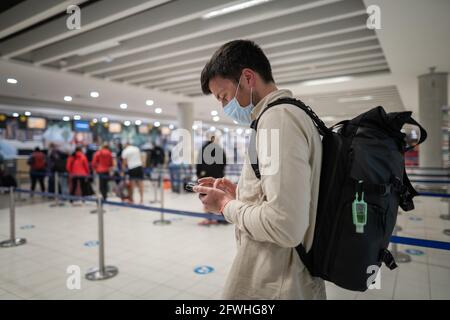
(185,121)
(433,96)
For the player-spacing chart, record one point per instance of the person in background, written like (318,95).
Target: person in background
(37,163)
(102,163)
(56,164)
(119,156)
(212,164)
(2,161)
(60,169)
(78,168)
(156,158)
(131,157)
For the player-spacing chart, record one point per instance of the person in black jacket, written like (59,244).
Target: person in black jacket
(212,164)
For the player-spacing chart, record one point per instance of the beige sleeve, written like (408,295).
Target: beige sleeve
(283,217)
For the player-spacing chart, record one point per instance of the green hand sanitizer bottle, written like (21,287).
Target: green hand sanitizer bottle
(359,211)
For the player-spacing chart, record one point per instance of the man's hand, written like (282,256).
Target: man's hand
(213,199)
(221,183)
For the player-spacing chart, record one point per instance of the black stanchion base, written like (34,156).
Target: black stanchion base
(98,274)
(447,232)
(95,211)
(13,243)
(161,222)
(53,205)
(445,216)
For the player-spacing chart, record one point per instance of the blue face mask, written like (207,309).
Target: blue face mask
(241,115)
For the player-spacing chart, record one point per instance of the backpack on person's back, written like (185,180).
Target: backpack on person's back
(37,161)
(59,159)
(363,182)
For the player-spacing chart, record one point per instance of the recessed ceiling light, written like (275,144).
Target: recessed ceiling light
(194,127)
(123,106)
(212,129)
(94,94)
(239,131)
(226,129)
(149,102)
(248,131)
(126,123)
(171,126)
(27,113)
(104,119)
(232,8)
(156,123)
(94,120)
(67,98)
(214,113)
(235,122)
(216,118)
(76,117)
(326,81)
(15,114)
(66,118)
(138,122)
(11,81)
(158,110)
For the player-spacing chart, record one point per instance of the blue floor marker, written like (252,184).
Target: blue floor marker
(203,269)
(91,243)
(27,226)
(415,252)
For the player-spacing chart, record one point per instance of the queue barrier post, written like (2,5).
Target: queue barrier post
(102,272)
(399,257)
(13,241)
(19,183)
(155,186)
(161,221)
(58,202)
(447,216)
(97,193)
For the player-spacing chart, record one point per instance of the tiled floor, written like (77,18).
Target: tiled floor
(158,262)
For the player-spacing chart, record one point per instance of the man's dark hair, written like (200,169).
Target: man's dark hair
(231,58)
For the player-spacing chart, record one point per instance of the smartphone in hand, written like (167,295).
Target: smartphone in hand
(190,187)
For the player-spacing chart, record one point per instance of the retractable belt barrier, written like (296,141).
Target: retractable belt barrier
(394,239)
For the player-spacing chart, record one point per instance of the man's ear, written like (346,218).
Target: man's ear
(250,77)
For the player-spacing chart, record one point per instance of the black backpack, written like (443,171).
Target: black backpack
(60,162)
(362,183)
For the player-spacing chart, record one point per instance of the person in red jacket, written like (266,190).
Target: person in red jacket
(37,163)
(78,168)
(102,164)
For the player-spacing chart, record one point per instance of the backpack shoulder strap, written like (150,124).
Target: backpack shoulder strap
(319,124)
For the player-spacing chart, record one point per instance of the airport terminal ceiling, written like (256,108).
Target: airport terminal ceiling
(133,51)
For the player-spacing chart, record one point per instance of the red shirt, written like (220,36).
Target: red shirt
(77,165)
(102,161)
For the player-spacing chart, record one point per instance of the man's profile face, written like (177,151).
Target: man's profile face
(225,89)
